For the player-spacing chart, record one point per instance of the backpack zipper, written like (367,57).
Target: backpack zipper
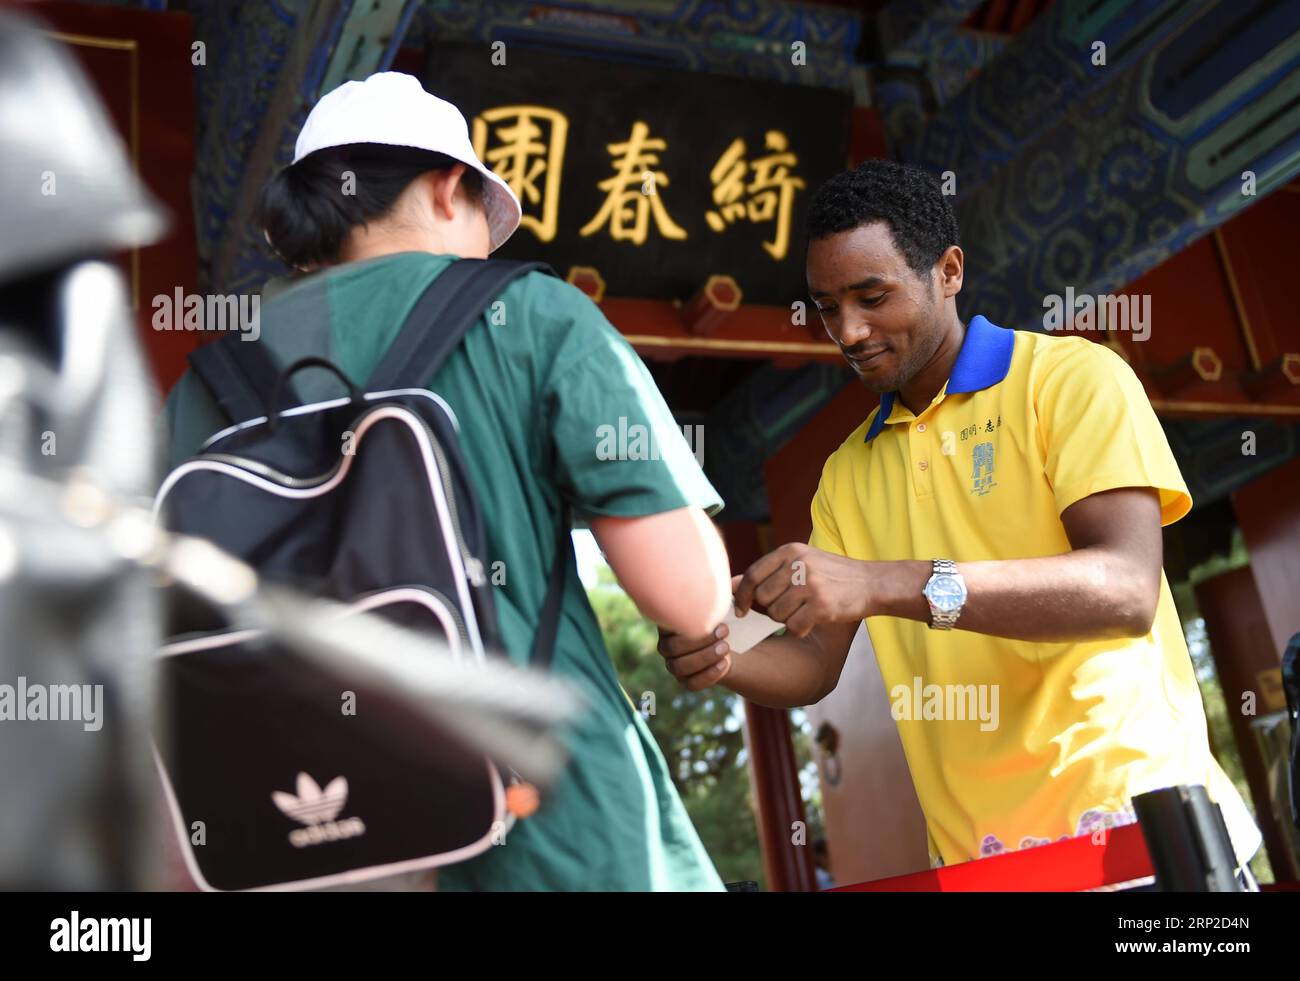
(473,565)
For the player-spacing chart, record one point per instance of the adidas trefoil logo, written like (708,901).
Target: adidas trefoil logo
(317,809)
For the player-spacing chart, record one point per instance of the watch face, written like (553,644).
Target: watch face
(946,593)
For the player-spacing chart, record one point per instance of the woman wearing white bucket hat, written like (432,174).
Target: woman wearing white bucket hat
(388,118)
(384,192)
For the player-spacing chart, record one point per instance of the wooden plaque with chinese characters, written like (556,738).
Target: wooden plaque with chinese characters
(657,177)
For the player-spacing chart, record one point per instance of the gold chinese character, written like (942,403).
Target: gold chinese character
(633,191)
(521,155)
(771,191)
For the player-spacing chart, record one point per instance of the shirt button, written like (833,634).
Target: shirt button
(924,465)
(920,427)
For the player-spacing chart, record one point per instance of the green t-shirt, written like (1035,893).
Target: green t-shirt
(531,386)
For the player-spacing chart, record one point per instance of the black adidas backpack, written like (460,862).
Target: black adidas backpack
(363,499)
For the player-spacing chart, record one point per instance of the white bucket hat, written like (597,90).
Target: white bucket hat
(392,108)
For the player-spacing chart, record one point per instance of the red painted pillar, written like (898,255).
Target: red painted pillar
(788,866)
(1268,511)
(1240,645)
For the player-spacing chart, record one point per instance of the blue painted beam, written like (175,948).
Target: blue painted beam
(275,60)
(910,28)
(1130,169)
(246,47)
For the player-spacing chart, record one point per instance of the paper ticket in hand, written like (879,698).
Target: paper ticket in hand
(744,632)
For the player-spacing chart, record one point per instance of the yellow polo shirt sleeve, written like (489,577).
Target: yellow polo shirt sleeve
(825,531)
(1099,431)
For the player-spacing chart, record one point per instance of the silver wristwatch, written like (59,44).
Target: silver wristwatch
(945,591)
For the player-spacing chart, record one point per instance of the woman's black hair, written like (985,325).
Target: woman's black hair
(308,209)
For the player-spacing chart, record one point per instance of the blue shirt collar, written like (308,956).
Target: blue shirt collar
(983,361)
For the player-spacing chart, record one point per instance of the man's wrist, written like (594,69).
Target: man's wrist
(897,589)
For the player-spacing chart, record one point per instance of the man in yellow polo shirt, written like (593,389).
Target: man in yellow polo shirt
(997,523)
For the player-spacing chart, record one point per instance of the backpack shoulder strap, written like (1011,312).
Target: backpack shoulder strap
(548,624)
(444,313)
(447,309)
(239,374)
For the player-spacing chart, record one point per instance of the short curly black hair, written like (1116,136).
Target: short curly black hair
(907,199)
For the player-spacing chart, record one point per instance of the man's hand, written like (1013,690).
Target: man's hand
(696,662)
(802,587)
(780,672)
